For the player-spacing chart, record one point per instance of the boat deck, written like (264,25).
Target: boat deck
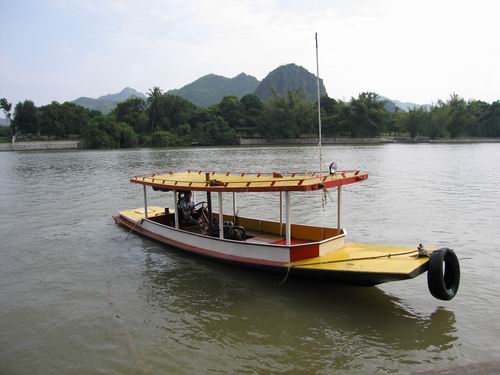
(362,257)
(254,236)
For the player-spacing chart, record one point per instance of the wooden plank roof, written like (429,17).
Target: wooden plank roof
(247,182)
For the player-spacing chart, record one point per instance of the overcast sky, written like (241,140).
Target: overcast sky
(417,51)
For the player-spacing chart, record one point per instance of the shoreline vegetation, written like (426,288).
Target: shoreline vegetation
(165,120)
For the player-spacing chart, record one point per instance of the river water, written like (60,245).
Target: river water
(78,297)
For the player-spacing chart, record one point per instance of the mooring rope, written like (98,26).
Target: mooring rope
(137,222)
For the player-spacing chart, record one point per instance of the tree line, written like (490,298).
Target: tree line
(168,120)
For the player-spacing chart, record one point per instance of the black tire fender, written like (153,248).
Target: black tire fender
(443,276)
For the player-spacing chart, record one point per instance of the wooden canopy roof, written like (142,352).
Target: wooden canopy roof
(247,182)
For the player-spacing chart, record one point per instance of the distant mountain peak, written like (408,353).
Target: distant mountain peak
(211,88)
(242,75)
(289,77)
(107,103)
(129,90)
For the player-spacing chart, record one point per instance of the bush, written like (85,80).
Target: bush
(145,139)
(215,131)
(162,138)
(104,132)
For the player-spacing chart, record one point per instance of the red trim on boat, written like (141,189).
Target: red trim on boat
(304,252)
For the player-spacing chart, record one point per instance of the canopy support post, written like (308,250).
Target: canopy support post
(221,217)
(209,204)
(281,213)
(287,219)
(176,210)
(145,202)
(339,208)
(234,208)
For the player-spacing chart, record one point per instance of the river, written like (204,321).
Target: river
(78,297)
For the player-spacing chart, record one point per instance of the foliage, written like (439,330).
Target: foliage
(214,131)
(4,132)
(490,120)
(168,120)
(62,120)
(174,111)
(132,112)
(162,138)
(6,107)
(231,110)
(153,101)
(287,116)
(104,132)
(25,118)
(366,116)
(252,108)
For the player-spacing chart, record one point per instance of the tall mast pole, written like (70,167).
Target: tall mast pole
(319,105)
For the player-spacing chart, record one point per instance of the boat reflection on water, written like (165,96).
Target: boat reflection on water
(300,324)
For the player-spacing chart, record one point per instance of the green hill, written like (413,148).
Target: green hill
(210,89)
(107,103)
(289,77)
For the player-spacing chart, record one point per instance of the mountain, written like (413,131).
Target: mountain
(4,122)
(210,89)
(288,78)
(391,105)
(107,103)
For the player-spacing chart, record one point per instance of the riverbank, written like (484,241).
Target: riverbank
(76,144)
(40,145)
(353,141)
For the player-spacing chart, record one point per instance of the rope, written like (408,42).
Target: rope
(137,222)
(290,266)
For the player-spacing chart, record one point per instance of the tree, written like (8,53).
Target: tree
(414,121)
(287,116)
(175,111)
(162,138)
(132,112)
(490,121)
(62,120)
(50,121)
(476,110)
(214,131)
(253,109)
(333,115)
(105,132)
(435,122)
(460,119)
(153,101)
(365,115)
(25,118)
(6,107)
(231,110)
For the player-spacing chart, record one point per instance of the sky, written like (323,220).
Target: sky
(408,50)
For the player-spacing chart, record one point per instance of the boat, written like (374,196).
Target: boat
(282,246)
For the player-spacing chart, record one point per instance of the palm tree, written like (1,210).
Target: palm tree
(154,97)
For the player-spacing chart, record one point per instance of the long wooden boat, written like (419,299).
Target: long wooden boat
(290,248)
